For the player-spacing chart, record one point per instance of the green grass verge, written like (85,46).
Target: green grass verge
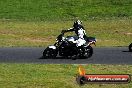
(55,76)
(52,10)
(114,32)
(38,22)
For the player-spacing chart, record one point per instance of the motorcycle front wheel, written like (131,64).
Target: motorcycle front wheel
(130,47)
(49,53)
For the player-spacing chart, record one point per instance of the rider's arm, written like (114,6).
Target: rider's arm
(69,30)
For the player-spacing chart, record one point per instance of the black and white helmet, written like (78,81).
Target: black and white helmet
(77,24)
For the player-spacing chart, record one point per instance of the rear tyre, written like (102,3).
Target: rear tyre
(88,52)
(49,53)
(130,47)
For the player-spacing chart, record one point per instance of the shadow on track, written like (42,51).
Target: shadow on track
(126,51)
(72,58)
(53,58)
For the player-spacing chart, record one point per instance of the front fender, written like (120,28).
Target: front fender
(52,47)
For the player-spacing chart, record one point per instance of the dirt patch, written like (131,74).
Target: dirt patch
(35,40)
(129,33)
(125,33)
(39,39)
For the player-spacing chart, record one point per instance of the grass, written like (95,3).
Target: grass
(36,23)
(55,76)
(114,32)
(51,10)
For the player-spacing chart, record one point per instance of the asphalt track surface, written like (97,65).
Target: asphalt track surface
(103,55)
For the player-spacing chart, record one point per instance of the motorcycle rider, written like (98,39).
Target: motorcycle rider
(79,31)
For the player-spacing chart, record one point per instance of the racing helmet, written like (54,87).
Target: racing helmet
(77,23)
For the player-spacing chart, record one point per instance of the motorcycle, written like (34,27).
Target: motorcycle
(66,47)
(130,47)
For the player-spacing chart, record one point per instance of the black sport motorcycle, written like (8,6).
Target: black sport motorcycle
(130,47)
(66,47)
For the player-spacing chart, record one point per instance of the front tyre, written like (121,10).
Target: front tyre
(49,53)
(130,47)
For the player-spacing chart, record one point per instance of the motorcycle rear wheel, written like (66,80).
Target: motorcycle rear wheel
(49,53)
(90,51)
(130,47)
(87,53)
